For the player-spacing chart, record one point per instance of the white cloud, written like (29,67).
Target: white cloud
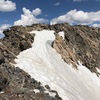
(57,4)
(96,25)
(78,17)
(28,18)
(37,12)
(4,26)
(7,6)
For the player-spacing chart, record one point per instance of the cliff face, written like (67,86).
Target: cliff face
(80,43)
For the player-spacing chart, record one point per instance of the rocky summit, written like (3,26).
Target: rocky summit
(80,43)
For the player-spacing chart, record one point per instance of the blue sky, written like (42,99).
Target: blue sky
(49,11)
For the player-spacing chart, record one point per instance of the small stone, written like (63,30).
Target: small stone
(47,87)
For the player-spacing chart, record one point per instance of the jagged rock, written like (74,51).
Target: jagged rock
(3,81)
(2,59)
(47,87)
(17,39)
(24,45)
(68,54)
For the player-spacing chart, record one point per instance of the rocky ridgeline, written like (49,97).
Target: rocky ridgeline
(17,39)
(15,84)
(80,43)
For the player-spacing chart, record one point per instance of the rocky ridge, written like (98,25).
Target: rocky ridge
(15,84)
(81,43)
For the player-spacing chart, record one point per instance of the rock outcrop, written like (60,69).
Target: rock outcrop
(17,39)
(81,43)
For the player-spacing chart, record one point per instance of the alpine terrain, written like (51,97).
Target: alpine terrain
(50,62)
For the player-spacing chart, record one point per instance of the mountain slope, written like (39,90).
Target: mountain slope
(45,65)
(16,84)
(64,59)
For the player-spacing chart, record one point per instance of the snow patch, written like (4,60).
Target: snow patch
(62,34)
(50,93)
(44,64)
(98,70)
(36,91)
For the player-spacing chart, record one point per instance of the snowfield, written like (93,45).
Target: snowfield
(44,64)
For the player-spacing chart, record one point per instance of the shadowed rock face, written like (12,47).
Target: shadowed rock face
(3,81)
